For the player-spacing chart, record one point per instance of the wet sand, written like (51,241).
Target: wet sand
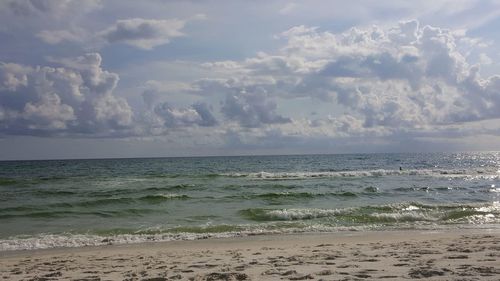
(384,255)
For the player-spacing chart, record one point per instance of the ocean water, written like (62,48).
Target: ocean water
(70,203)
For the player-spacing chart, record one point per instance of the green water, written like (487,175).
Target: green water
(90,202)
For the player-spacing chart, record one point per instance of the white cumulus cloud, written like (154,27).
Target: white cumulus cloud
(75,99)
(405,76)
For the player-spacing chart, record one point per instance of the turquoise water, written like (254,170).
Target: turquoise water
(62,203)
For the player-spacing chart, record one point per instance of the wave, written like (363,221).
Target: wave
(173,176)
(475,173)
(30,181)
(428,188)
(467,174)
(132,236)
(81,240)
(39,213)
(8,181)
(258,214)
(48,192)
(162,197)
(152,198)
(127,191)
(395,213)
(279,195)
(268,221)
(102,202)
(494,190)
(68,209)
(476,189)
(451,173)
(371,189)
(19,209)
(171,187)
(295,195)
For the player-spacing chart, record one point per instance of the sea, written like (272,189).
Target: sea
(75,203)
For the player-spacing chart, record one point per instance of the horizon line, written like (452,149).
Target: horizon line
(245,155)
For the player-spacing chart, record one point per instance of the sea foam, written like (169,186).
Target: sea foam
(472,174)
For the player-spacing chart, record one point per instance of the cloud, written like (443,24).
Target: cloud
(205,112)
(51,8)
(71,100)
(412,76)
(246,101)
(78,99)
(54,37)
(403,81)
(160,117)
(168,86)
(288,8)
(406,76)
(198,114)
(252,110)
(143,33)
(484,59)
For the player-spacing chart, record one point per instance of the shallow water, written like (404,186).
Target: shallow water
(91,202)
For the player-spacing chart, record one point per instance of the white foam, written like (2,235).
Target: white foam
(411,208)
(65,241)
(405,216)
(301,214)
(474,174)
(71,241)
(493,208)
(482,219)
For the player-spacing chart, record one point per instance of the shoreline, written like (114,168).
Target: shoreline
(88,241)
(368,255)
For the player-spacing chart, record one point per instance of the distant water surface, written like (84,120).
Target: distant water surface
(66,203)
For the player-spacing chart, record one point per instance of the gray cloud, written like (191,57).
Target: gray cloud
(205,112)
(383,66)
(252,110)
(198,114)
(143,33)
(248,100)
(51,8)
(54,37)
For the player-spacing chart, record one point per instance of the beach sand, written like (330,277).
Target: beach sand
(385,255)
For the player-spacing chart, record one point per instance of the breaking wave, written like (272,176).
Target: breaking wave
(395,213)
(459,173)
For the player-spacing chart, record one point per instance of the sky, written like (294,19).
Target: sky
(126,78)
